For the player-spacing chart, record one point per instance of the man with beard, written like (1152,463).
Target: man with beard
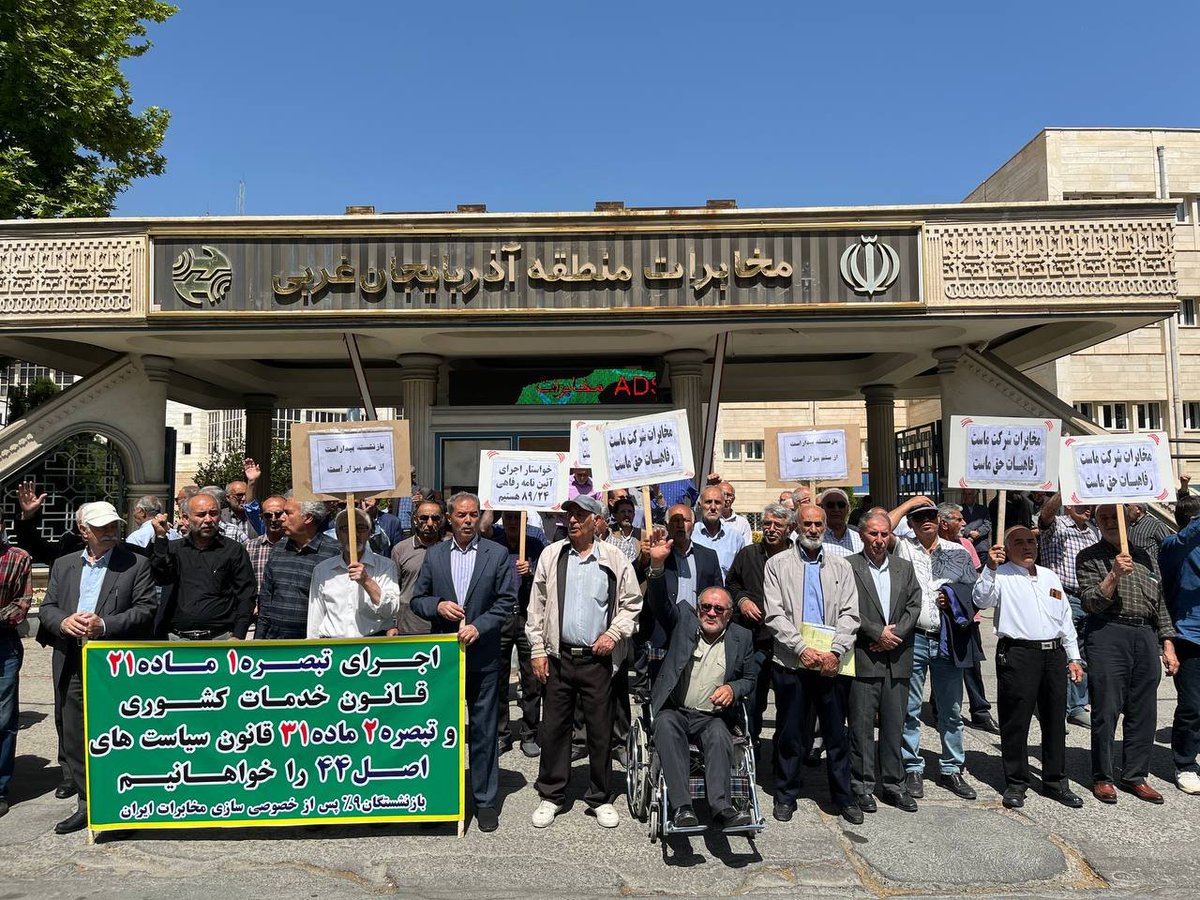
(713,533)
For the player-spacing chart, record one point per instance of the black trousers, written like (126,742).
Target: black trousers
(68,702)
(1027,677)
(673,728)
(585,680)
(482,697)
(1123,676)
(796,692)
(976,694)
(513,634)
(762,688)
(877,763)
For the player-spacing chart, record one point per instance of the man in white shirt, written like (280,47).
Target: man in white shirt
(732,520)
(1037,644)
(143,517)
(353,600)
(713,533)
(839,539)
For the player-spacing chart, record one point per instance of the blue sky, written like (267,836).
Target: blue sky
(552,106)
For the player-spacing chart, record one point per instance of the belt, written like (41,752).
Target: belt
(205,635)
(1134,621)
(1033,645)
(575,652)
(934,633)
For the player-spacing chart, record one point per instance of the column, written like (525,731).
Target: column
(418,393)
(260,415)
(686,370)
(148,426)
(881,442)
(953,390)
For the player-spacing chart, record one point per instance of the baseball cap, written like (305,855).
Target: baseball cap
(925,507)
(99,514)
(583,501)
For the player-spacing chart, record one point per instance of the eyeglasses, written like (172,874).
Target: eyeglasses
(838,504)
(241,496)
(434,518)
(273,515)
(714,608)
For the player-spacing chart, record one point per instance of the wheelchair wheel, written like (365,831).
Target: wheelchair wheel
(637,771)
(653,819)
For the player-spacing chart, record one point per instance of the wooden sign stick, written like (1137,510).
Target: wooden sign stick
(1121,528)
(812,492)
(648,525)
(521,546)
(352,526)
(1001,510)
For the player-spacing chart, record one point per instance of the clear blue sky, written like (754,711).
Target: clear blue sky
(552,106)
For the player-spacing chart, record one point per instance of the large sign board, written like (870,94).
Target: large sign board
(523,480)
(1116,468)
(231,733)
(830,455)
(580,455)
(1003,453)
(368,459)
(644,450)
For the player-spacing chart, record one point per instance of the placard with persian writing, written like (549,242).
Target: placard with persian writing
(523,479)
(1003,453)
(1111,468)
(629,453)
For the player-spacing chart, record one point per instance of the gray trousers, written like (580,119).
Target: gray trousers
(877,763)
(672,730)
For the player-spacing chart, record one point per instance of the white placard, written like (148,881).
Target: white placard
(646,450)
(523,479)
(812,455)
(580,453)
(353,462)
(1003,453)
(1111,468)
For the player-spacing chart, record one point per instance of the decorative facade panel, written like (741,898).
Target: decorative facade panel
(42,278)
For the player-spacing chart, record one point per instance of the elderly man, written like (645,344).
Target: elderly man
(945,643)
(1060,540)
(144,512)
(745,585)
(711,666)
(283,600)
(839,539)
(889,604)
(106,591)
(16,593)
(211,584)
(978,522)
(228,526)
(1180,564)
(1127,622)
(353,599)
(234,516)
(466,587)
(259,548)
(713,533)
(581,483)
(805,586)
(582,612)
(731,519)
(1037,643)
(1146,532)
(623,533)
(428,530)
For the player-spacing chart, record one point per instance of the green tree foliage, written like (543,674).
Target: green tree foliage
(69,139)
(22,399)
(226,466)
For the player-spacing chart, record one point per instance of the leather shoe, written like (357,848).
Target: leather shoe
(954,783)
(531,749)
(783,811)
(902,800)
(866,803)
(1063,796)
(77,821)
(813,757)
(1142,791)
(578,752)
(1013,798)
(1104,792)
(486,818)
(852,814)
(685,817)
(1080,720)
(986,723)
(731,818)
(915,782)
(65,790)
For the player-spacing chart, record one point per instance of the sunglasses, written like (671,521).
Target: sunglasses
(714,608)
(830,504)
(273,515)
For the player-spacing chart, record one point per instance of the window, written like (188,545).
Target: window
(1148,416)
(187,449)
(1112,416)
(753,450)
(1086,410)
(1191,416)
(1183,210)
(187,418)
(733,450)
(1187,312)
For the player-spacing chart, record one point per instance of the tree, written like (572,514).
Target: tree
(69,140)
(22,399)
(226,466)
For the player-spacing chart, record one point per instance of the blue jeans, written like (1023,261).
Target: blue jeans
(1077,694)
(947,694)
(11,653)
(1185,730)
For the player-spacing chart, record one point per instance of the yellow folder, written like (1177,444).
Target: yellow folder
(820,637)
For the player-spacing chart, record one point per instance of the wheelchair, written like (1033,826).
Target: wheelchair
(646,789)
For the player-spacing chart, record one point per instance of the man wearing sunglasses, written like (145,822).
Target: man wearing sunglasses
(839,538)
(428,530)
(711,667)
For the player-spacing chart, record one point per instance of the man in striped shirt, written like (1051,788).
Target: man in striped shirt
(283,599)
(16,592)
(259,548)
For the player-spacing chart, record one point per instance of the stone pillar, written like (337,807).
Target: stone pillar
(881,443)
(418,393)
(686,370)
(949,390)
(150,431)
(260,412)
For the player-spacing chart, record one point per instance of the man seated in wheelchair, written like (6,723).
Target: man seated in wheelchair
(711,666)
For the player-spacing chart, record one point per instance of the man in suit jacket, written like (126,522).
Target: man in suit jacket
(889,603)
(684,572)
(466,587)
(105,591)
(807,586)
(710,668)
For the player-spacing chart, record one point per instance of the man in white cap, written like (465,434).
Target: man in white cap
(104,591)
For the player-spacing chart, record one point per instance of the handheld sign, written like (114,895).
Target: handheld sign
(1111,468)
(819,457)
(523,480)
(580,453)
(631,453)
(1004,454)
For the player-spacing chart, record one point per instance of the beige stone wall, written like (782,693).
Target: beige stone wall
(194,434)
(1021,178)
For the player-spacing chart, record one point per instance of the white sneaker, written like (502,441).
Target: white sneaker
(544,814)
(606,815)
(1188,782)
